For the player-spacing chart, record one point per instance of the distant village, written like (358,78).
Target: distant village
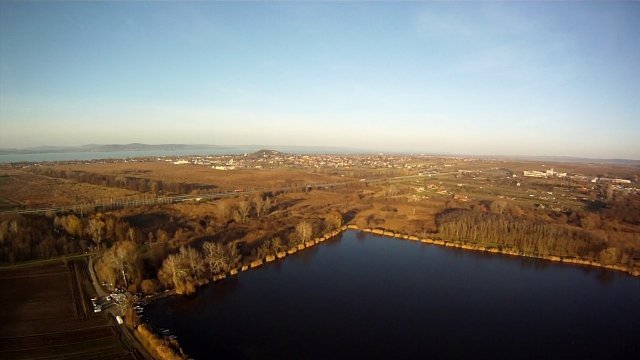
(365,165)
(274,159)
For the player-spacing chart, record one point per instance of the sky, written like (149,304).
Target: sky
(486,78)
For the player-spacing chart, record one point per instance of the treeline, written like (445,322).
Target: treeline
(125,182)
(34,237)
(149,250)
(24,238)
(189,267)
(125,266)
(622,209)
(130,267)
(538,238)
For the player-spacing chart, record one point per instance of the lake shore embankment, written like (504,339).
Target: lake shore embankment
(474,247)
(376,231)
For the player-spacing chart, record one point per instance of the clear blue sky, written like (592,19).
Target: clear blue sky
(533,78)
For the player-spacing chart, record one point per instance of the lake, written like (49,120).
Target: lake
(94,155)
(227,150)
(365,296)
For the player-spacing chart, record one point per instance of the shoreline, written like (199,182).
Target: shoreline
(387,233)
(474,247)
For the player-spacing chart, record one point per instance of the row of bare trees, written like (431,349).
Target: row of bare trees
(529,237)
(305,231)
(243,210)
(124,182)
(31,237)
(188,267)
(35,237)
(98,228)
(270,247)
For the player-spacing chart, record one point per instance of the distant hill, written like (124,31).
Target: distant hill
(265,153)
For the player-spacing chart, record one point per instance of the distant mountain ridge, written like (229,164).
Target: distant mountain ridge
(105,148)
(173,147)
(262,153)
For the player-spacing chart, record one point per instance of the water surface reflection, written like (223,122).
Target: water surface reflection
(365,296)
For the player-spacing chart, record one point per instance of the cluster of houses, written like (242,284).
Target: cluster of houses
(273,159)
(551,173)
(544,174)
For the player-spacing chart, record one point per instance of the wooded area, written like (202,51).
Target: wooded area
(605,234)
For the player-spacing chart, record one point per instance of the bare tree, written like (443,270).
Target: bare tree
(242,212)
(262,206)
(72,225)
(214,256)
(276,244)
(268,204)
(193,260)
(264,249)
(333,220)
(131,234)
(258,203)
(96,230)
(173,272)
(304,230)
(232,255)
(498,206)
(123,258)
(220,258)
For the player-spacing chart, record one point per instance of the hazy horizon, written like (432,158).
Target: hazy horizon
(294,149)
(513,79)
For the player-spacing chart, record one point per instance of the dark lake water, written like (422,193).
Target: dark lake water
(367,297)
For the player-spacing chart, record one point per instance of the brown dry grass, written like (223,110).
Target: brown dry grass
(313,206)
(401,216)
(199,174)
(23,188)
(161,349)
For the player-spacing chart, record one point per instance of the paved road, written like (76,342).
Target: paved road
(94,279)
